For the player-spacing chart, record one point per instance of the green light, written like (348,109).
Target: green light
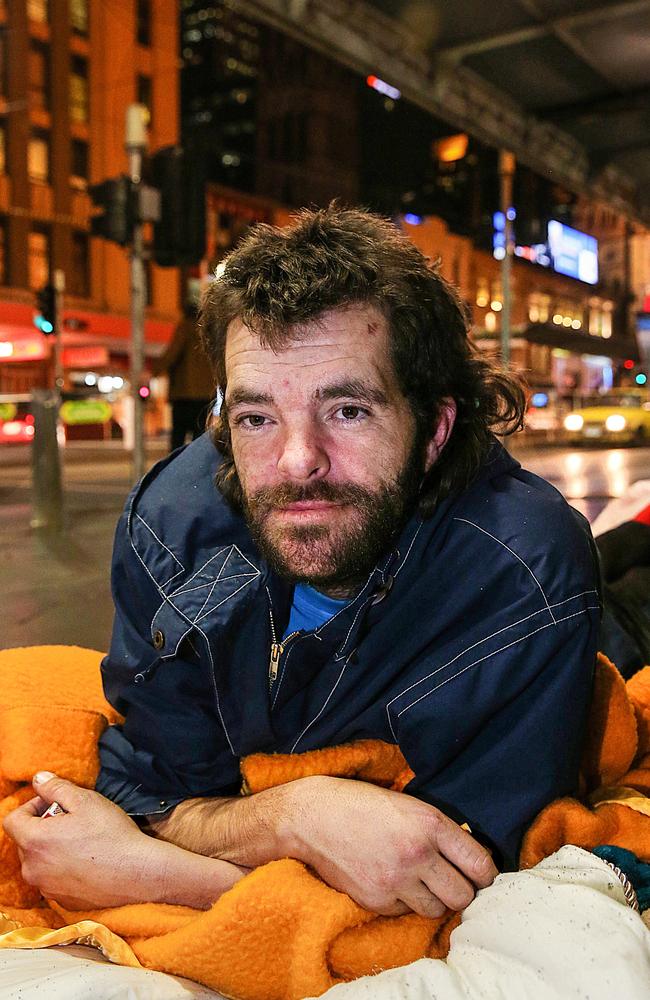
(641,379)
(43,324)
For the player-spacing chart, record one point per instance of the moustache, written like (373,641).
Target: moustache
(288,493)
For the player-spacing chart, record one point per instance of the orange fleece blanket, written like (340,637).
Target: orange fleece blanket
(280,932)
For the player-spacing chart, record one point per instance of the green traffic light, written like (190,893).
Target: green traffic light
(641,379)
(43,324)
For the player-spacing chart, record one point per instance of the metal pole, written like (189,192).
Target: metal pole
(506,175)
(136,144)
(47,495)
(59,285)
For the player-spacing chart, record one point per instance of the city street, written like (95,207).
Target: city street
(56,590)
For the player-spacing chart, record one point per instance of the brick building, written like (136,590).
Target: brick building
(69,68)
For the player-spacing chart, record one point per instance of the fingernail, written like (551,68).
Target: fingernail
(42,776)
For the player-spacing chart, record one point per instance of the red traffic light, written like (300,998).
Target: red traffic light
(144,392)
(628,363)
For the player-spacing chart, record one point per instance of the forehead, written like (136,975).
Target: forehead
(356,335)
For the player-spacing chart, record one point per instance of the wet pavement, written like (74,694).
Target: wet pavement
(57,589)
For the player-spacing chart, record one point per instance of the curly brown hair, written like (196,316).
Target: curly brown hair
(277,279)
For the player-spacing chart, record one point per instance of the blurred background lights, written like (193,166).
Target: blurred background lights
(451,148)
(383,88)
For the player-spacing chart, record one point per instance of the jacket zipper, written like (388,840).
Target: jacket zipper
(277,648)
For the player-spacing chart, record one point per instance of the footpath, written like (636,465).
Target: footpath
(56,588)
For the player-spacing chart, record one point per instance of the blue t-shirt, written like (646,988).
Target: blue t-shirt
(310,609)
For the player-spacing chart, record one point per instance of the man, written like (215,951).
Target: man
(370,563)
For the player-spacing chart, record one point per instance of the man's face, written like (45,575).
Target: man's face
(324,444)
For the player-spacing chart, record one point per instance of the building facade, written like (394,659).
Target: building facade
(69,69)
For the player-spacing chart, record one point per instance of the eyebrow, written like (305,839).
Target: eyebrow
(352,389)
(248,397)
(348,388)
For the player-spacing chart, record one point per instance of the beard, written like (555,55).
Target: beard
(336,555)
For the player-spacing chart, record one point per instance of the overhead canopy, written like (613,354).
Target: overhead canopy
(564,84)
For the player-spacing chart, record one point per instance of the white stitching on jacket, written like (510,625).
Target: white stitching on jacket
(233,548)
(408,551)
(324,706)
(540,611)
(209,583)
(512,552)
(590,607)
(160,542)
(192,624)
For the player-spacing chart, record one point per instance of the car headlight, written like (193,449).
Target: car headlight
(573,422)
(616,422)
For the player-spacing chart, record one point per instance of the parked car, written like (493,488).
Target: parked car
(16,424)
(621,416)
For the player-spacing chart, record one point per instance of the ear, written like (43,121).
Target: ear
(444,427)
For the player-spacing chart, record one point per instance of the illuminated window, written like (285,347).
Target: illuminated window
(37,10)
(144,94)
(606,321)
(39,76)
(143,18)
(482,293)
(79,90)
(533,308)
(79,164)
(594,318)
(38,158)
(496,301)
(39,258)
(79,16)
(539,307)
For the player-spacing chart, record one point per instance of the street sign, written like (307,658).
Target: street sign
(86,411)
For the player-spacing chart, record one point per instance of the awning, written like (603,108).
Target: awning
(578,342)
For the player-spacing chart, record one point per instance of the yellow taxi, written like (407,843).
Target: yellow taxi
(620,416)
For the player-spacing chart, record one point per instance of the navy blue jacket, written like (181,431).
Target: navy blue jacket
(471,645)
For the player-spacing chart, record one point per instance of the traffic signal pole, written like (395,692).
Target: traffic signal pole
(506,177)
(136,144)
(59,285)
(47,492)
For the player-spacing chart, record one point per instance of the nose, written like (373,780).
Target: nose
(303,456)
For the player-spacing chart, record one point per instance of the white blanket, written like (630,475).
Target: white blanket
(559,931)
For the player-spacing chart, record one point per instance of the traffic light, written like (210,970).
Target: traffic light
(114,197)
(45,319)
(179,234)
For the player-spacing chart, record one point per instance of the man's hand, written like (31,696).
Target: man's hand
(93,855)
(389,851)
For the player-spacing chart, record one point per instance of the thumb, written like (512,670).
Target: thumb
(51,788)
